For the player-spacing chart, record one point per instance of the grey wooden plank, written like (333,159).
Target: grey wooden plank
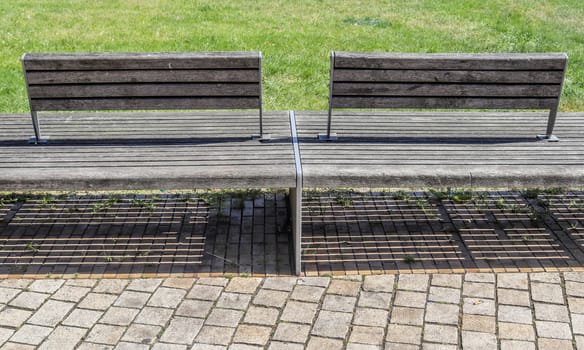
(447,76)
(142,90)
(169,61)
(149,76)
(451,61)
(145,103)
(441,89)
(442,102)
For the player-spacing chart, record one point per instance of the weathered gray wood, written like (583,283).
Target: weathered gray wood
(442,102)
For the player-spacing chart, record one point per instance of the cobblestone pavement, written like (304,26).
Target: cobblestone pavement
(406,311)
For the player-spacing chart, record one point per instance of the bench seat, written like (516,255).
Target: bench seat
(440,149)
(146,150)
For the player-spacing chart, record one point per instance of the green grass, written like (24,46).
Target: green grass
(294,36)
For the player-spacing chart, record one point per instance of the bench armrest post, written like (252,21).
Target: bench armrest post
(330,136)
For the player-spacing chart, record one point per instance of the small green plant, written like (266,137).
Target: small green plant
(554,191)
(409,259)
(47,201)
(401,196)
(501,204)
(343,201)
(30,246)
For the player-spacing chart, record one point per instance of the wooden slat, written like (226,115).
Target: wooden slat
(452,90)
(123,61)
(448,76)
(142,90)
(145,103)
(442,102)
(146,76)
(547,61)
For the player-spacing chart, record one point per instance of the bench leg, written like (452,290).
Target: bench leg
(296,223)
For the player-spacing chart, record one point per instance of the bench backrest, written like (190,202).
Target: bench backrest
(448,81)
(143,81)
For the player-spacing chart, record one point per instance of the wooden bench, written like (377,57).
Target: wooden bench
(447,81)
(142,81)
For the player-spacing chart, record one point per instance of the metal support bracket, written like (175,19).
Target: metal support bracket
(550,138)
(262,138)
(326,137)
(296,200)
(33,141)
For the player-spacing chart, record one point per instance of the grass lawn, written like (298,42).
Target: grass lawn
(294,36)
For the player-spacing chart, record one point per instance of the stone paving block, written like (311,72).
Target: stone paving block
(478,341)
(82,318)
(442,313)
(5,334)
(478,290)
(367,335)
(574,276)
(339,303)
(131,346)
(547,277)
(447,280)
(546,292)
(417,282)
(163,346)
(82,282)
(513,281)
(63,338)
(515,314)
(356,346)
(318,343)
(410,299)
(285,284)
(215,335)
(119,316)
(11,317)
(51,313)
(7,294)
(19,283)
(513,297)
(245,347)
(378,300)
(198,346)
(71,293)
(315,281)
(575,289)
(370,317)
(144,284)
(278,345)
(478,323)
(444,295)
(554,344)
(155,316)
(31,334)
(205,292)
(343,287)
(300,312)
(132,299)
(105,334)
(29,300)
(579,342)
(397,346)
(167,297)
(261,315)
(576,305)
(271,298)
(181,330)
(480,277)
(246,285)
(111,286)
(178,282)
(578,323)
(352,277)
(194,308)
(441,334)
(213,281)
(224,317)
(251,334)
(48,286)
(555,330)
(517,345)
(407,315)
(378,283)
(516,331)
(97,301)
(332,324)
(234,301)
(93,346)
(141,333)
(551,312)
(309,294)
(291,332)
(404,334)
(478,306)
